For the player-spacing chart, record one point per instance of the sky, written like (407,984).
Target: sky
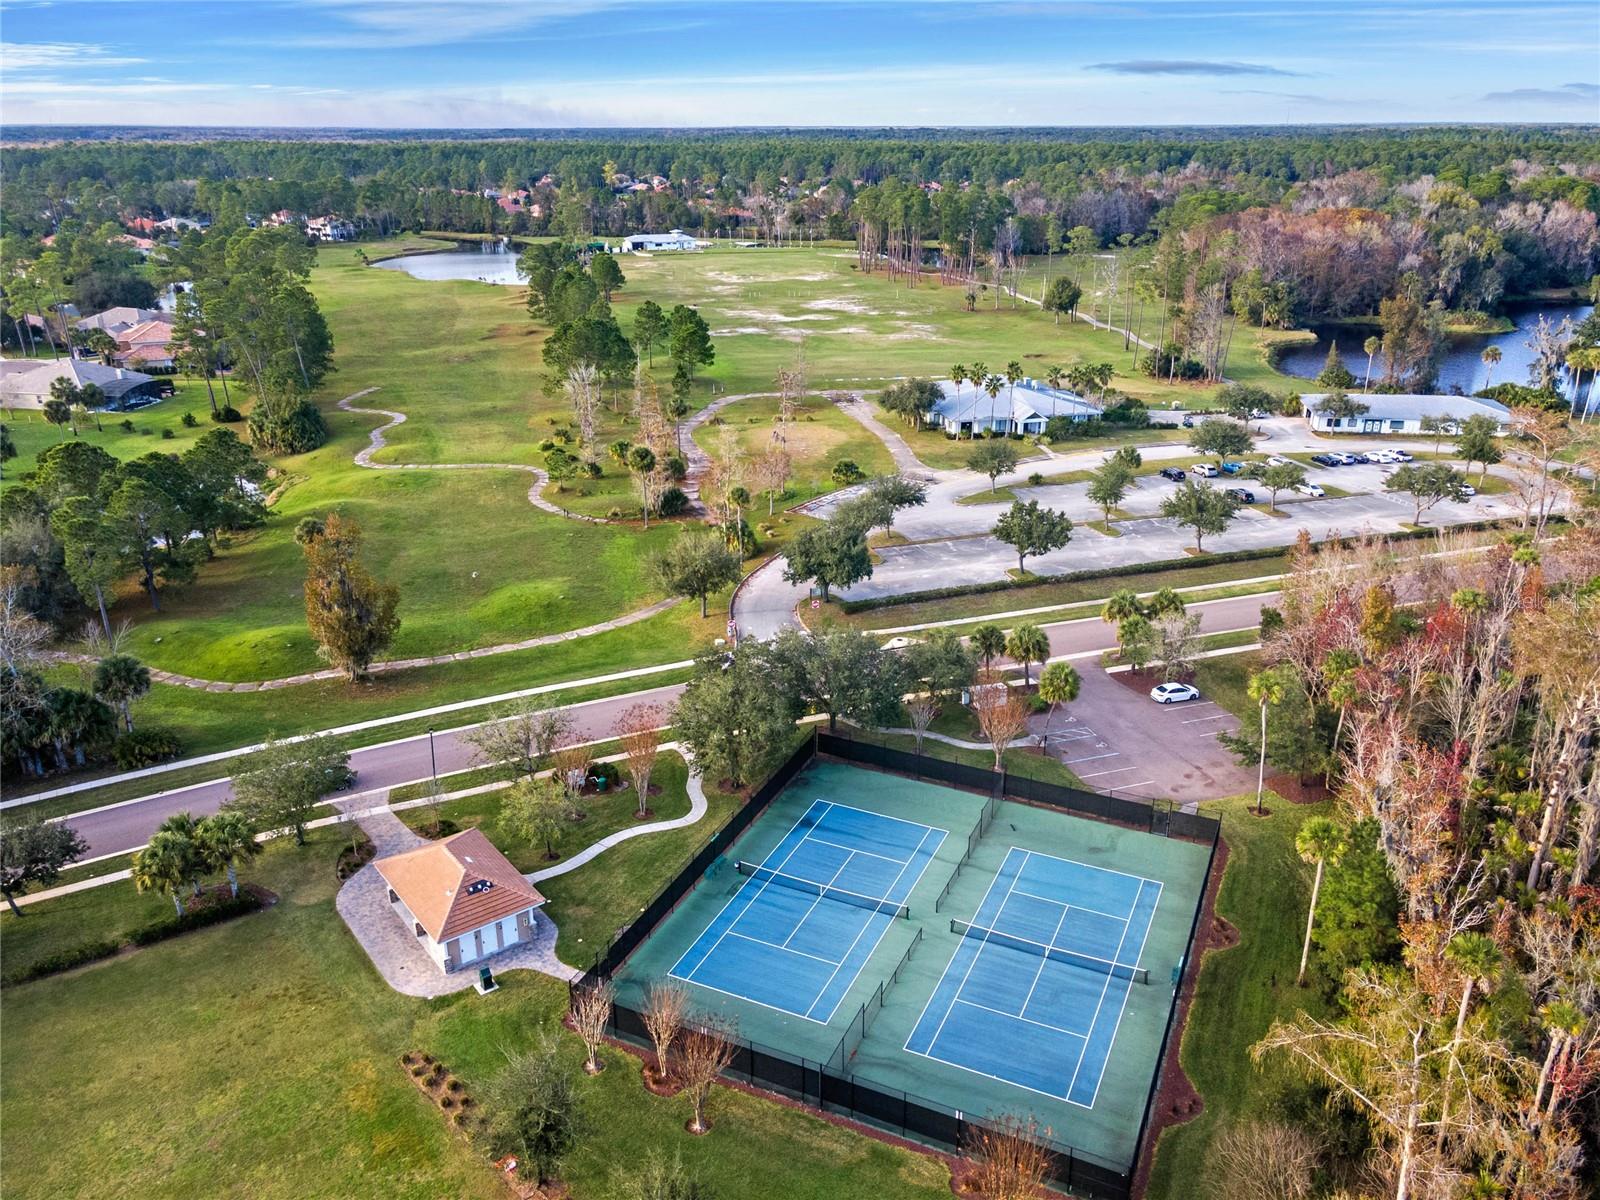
(572,63)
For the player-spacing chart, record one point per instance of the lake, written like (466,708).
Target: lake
(485,262)
(1462,365)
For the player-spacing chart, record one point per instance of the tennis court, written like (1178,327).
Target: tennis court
(942,945)
(802,926)
(1036,989)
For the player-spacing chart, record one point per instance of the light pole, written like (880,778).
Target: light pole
(433,763)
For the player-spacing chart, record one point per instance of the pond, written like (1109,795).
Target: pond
(1462,366)
(484,262)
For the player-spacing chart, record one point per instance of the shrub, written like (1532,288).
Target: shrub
(127,425)
(167,433)
(673,502)
(227,414)
(196,918)
(288,429)
(1037,704)
(1035,479)
(145,748)
(65,960)
(613,514)
(845,471)
(188,420)
(546,446)
(592,470)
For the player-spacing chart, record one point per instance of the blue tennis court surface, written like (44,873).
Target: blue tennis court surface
(1036,989)
(798,932)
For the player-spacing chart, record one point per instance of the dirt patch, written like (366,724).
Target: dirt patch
(350,861)
(1142,680)
(837,304)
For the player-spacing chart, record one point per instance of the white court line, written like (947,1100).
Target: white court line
(1105,987)
(774,946)
(977,954)
(765,884)
(1054,933)
(989,891)
(853,850)
(788,1012)
(1137,959)
(816,902)
(1000,1012)
(1079,907)
(927,829)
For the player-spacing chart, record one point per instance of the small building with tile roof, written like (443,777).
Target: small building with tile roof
(461,898)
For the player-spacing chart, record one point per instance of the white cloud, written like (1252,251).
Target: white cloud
(52,56)
(395,24)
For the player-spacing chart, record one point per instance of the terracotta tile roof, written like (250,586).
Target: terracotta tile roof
(148,332)
(458,884)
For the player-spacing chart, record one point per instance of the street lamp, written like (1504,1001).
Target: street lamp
(433,763)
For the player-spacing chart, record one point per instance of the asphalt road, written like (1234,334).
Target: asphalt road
(128,826)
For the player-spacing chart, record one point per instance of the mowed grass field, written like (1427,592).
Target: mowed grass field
(261,1059)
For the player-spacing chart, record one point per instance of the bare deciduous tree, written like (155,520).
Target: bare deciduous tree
(708,1046)
(664,1009)
(1002,713)
(922,710)
(584,395)
(1011,1157)
(639,729)
(1263,1160)
(591,1012)
(521,736)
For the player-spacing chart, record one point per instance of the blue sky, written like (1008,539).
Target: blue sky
(539,63)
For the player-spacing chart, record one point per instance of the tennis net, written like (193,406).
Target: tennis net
(826,891)
(1073,958)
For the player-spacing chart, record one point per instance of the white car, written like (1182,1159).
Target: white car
(1345,460)
(1310,489)
(1401,455)
(1204,469)
(1277,460)
(1173,693)
(1381,456)
(1468,490)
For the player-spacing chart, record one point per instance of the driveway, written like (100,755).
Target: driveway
(1123,743)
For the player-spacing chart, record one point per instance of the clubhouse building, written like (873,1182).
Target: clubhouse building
(1404,413)
(968,410)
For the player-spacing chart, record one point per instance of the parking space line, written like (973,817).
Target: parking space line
(1200,720)
(1111,771)
(1092,757)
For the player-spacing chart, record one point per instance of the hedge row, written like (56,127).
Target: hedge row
(1260,554)
(145,935)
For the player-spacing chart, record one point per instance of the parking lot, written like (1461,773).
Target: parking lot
(1120,741)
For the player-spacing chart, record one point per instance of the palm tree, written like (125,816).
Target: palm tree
(1490,357)
(1339,669)
(1565,1021)
(164,866)
(989,641)
(1059,683)
(1165,603)
(1055,377)
(1319,841)
(1584,358)
(1267,688)
(1477,958)
(226,840)
(976,374)
(183,825)
(1372,345)
(119,680)
(1027,644)
(992,386)
(958,376)
(1120,605)
(1013,377)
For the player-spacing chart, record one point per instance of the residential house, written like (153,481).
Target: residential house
(179,224)
(117,321)
(1403,413)
(461,898)
(148,345)
(1025,409)
(282,217)
(676,239)
(330,229)
(26,383)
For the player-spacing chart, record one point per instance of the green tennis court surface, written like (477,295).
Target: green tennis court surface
(1041,950)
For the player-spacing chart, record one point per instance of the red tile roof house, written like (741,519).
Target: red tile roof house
(462,898)
(148,344)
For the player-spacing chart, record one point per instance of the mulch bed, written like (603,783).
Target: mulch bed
(1143,680)
(349,863)
(1176,1101)
(1297,790)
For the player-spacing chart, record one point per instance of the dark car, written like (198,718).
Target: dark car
(1173,473)
(1242,495)
(1325,460)
(1188,422)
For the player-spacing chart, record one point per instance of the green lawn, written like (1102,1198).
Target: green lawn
(1242,989)
(260,1058)
(33,435)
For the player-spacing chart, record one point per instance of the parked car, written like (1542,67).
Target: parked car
(1259,414)
(1403,456)
(1381,456)
(1188,422)
(1468,490)
(1242,495)
(1174,693)
(1172,473)
(1325,460)
(1205,470)
(1342,458)
(1277,460)
(1309,489)
(1232,468)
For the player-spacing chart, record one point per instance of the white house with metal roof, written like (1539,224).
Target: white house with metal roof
(1402,413)
(675,239)
(1025,409)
